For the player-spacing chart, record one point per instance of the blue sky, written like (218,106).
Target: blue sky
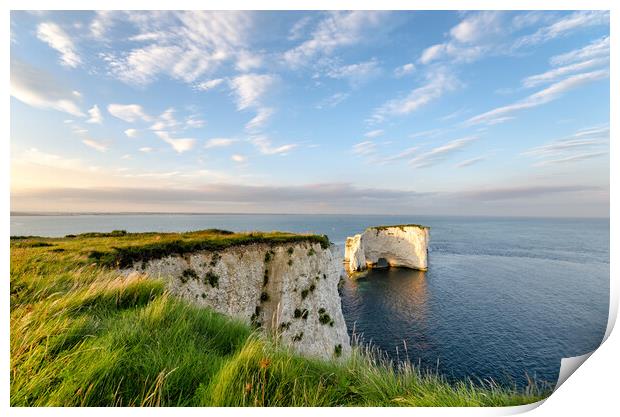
(420,112)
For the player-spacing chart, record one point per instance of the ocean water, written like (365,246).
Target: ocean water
(503,298)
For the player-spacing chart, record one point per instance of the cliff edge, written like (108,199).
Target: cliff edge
(288,287)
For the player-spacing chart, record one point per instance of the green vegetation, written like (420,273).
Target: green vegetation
(400,226)
(188,274)
(81,335)
(212,279)
(136,247)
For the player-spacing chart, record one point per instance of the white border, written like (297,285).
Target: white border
(591,391)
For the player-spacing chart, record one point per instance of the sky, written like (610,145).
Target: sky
(409,112)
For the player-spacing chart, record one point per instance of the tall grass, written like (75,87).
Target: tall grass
(83,336)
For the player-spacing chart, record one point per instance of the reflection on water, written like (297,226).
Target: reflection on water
(397,295)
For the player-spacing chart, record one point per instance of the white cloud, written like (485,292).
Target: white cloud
(374,133)
(56,38)
(128,112)
(262,117)
(470,39)
(541,97)
(356,74)
(95,115)
(366,147)
(166,121)
(219,142)
(194,123)
(100,24)
(405,154)
(180,145)
(470,162)
(596,49)
(556,73)
(297,30)
(98,146)
(209,84)
(249,88)
(264,145)
(186,46)
(146,149)
(584,144)
(337,30)
(248,61)
(478,26)
(440,153)
(38,89)
(438,83)
(239,158)
(576,20)
(131,133)
(333,100)
(403,70)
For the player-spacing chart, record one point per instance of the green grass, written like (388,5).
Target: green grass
(83,336)
(147,246)
(400,226)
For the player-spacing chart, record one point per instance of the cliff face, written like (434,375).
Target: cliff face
(289,289)
(403,246)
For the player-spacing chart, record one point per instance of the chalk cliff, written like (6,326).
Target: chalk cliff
(288,289)
(402,246)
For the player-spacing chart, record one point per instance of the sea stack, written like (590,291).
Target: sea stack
(382,246)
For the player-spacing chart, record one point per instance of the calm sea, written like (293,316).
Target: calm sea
(503,297)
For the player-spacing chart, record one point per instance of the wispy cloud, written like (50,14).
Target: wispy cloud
(374,133)
(95,115)
(576,20)
(131,133)
(250,88)
(556,73)
(403,70)
(180,145)
(404,154)
(239,158)
(57,38)
(96,145)
(39,89)
(441,153)
(596,49)
(541,97)
(209,84)
(356,74)
(437,84)
(584,144)
(470,39)
(333,100)
(219,142)
(263,114)
(366,147)
(264,146)
(183,45)
(128,112)
(338,29)
(470,162)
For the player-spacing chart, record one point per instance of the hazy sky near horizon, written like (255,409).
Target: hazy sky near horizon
(428,112)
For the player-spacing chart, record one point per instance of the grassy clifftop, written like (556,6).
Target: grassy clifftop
(121,249)
(82,335)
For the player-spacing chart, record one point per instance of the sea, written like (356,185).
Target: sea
(504,299)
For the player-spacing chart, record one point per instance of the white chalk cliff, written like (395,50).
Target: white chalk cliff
(289,289)
(400,246)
